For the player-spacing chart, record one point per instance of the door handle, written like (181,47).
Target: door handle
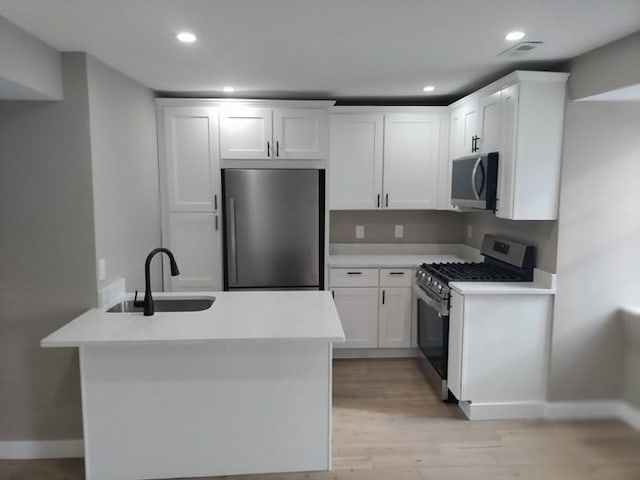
(386,200)
(268,149)
(354,273)
(396,273)
(216,222)
(378,200)
(383,296)
(215,202)
(233,246)
(277,148)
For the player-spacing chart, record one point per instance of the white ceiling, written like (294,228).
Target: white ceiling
(320,48)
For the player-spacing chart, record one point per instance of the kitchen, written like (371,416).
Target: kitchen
(96,198)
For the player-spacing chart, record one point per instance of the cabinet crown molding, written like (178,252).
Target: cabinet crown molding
(222,102)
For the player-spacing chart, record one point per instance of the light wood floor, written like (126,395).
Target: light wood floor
(389,425)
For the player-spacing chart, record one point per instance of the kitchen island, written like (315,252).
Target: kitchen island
(242,387)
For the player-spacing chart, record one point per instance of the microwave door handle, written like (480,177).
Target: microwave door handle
(484,179)
(474,175)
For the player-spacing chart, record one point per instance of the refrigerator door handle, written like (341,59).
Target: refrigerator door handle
(233,246)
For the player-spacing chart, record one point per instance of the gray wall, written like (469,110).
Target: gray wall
(47,255)
(610,67)
(598,254)
(125,174)
(542,234)
(419,226)
(29,68)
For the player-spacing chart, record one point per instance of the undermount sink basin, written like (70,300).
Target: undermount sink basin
(167,305)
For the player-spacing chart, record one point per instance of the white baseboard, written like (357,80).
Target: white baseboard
(583,410)
(374,352)
(502,411)
(629,414)
(27,449)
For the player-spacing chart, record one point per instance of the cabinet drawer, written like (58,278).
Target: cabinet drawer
(395,277)
(353,277)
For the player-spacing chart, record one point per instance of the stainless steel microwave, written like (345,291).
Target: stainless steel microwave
(474,182)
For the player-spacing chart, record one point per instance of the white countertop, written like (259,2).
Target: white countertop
(285,315)
(388,260)
(501,288)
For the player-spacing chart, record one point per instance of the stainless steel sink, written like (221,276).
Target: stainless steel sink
(167,305)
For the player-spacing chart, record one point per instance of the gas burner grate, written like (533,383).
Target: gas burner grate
(470,272)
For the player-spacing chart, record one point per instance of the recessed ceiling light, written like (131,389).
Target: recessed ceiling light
(228,89)
(186,37)
(513,36)
(429,88)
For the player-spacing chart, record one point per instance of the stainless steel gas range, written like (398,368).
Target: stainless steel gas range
(504,261)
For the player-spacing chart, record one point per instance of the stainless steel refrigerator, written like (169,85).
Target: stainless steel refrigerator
(274,229)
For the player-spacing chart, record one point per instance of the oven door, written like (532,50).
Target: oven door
(433,331)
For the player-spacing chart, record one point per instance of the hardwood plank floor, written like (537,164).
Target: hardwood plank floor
(389,425)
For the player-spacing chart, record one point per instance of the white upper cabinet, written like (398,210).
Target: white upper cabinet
(411,161)
(191,159)
(299,134)
(355,161)
(464,129)
(521,116)
(248,133)
(490,137)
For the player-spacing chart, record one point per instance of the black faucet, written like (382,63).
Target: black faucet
(147,303)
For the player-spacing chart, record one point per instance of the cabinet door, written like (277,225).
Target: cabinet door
(246,133)
(490,123)
(456,324)
(395,317)
(195,240)
(300,134)
(470,127)
(456,132)
(355,169)
(358,311)
(411,150)
(506,159)
(191,159)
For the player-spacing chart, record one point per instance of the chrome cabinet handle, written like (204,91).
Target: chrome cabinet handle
(233,246)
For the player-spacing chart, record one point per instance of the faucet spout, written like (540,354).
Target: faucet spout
(147,303)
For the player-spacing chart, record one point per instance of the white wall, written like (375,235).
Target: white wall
(598,248)
(125,174)
(29,68)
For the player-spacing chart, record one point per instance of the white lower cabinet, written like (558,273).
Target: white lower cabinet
(499,350)
(374,306)
(395,318)
(196,241)
(358,310)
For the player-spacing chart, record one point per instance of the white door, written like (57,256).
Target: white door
(395,317)
(411,151)
(507,153)
(470,128)
(358,311)
(355,162)
(456,130)
(456,324)
(195,240)
(191,159)
(246,133)
(299,134)
(490,123)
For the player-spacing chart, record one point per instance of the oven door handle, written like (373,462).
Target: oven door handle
(474,177)
(438,305)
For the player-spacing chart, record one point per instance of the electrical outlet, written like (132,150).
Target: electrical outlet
(399,231)
(469,231)
(359,231)
(102,269)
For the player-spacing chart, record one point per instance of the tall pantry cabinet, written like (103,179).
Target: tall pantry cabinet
(190,192)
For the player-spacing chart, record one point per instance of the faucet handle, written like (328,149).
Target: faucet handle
(136,302)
